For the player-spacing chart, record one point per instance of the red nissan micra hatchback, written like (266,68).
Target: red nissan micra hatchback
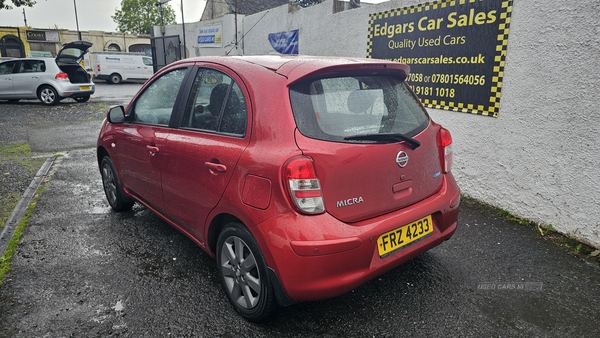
(304,177)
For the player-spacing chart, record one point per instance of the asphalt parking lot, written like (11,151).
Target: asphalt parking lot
(83,270)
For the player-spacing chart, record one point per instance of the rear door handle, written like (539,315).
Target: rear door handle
(215,168)
(153,150)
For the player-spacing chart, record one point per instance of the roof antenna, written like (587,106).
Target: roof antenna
(243,36)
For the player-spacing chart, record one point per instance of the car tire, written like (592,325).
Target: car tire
(242,270)
(48,95)
(82,98)
(112,187)
(115,78)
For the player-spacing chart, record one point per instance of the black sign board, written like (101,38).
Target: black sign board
(35,35)
(456,50)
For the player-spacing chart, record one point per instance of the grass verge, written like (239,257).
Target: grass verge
(17,169)
(6,258)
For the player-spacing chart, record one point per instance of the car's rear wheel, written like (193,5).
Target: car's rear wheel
(243,273)
(48,95)
(112,188)
(82,98)
(114,78)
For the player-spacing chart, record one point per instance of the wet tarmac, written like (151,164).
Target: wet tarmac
(83,270)
(119,94)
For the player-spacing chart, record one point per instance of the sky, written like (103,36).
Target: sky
(92,14)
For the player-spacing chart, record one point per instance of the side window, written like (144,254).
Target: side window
(155,104)
(147,61)
(234,115)
(7,67)
(31,66)
(216,104)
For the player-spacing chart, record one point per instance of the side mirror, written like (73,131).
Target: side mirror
(116,114)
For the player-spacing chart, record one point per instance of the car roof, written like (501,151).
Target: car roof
(32,58)
(296,67)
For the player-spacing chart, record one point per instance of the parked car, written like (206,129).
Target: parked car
(47,79)
(114,67)
(304,177)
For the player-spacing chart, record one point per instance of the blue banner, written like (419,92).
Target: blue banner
(285,42)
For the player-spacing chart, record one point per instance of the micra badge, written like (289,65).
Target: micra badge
(349,202)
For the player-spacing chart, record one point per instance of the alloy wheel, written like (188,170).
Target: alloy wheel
(48,96)
(240,272)
(110,184)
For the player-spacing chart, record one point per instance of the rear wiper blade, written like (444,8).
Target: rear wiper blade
(385,137)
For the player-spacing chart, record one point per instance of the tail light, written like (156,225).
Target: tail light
(444,142)
(98,68)
(61,76)
(305,188)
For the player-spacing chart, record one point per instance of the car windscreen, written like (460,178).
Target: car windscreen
(343,108)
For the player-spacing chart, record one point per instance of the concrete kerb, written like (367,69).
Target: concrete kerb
(19,211)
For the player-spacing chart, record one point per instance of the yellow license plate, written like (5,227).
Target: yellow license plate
(397,238)
(85,87)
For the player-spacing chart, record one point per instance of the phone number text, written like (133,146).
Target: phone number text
(434,91)
(465,79)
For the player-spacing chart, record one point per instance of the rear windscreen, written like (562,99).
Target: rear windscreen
(337,107)
(74,53)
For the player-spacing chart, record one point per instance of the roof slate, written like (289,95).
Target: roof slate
(248,7)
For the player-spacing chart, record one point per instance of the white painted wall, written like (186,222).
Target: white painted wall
(541,158)
(192,31)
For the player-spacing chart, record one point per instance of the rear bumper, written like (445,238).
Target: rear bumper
(76,89)
(320,257)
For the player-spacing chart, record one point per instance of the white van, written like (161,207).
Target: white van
(114,67)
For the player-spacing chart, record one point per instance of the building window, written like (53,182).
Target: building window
(11,46)
(141,48)
(113,47)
